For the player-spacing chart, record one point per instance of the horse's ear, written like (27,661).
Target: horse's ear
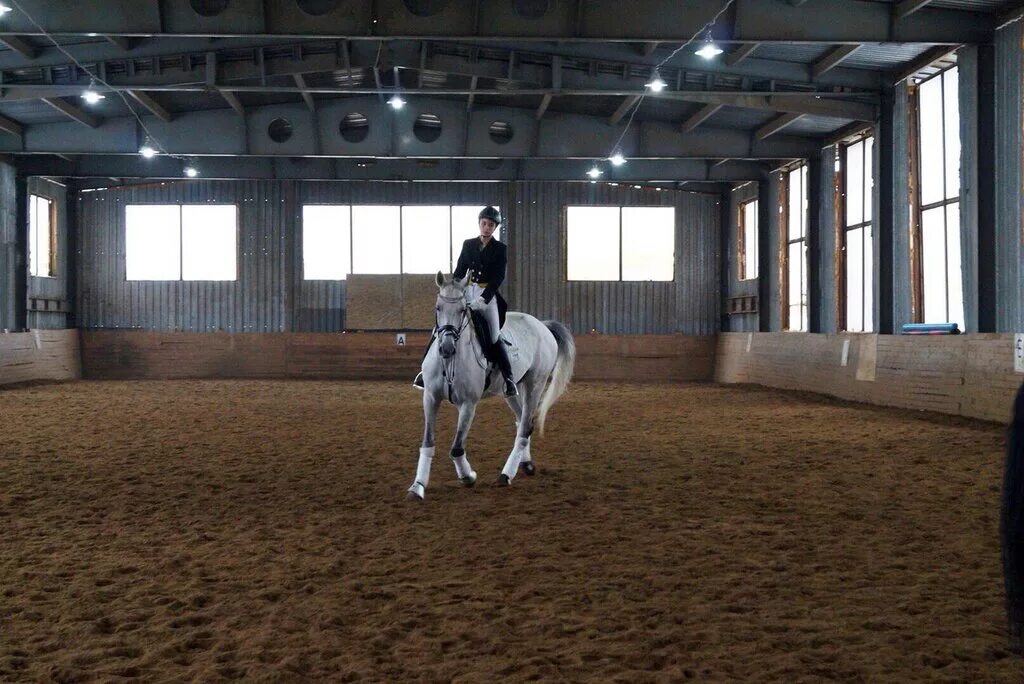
(465,281)
(439,279)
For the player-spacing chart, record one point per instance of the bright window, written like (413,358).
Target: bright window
(326,242)
(620,243)
(181,242)
(858,182)
(209,242)
(939,199)
(796,249)
(426,238)
(42,236)
(747,242)
(376,239)
(384,239)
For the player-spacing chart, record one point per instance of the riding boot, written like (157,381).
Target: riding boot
(418,382)
(501,352)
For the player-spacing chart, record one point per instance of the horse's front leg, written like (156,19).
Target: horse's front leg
(463,470)
(419,486)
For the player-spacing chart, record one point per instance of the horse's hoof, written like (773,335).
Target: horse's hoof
(468,480)
(503,480)
(413,496)
(528,468)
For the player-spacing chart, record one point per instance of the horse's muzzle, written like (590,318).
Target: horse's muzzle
(447,348)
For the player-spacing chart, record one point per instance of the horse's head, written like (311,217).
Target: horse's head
(451,314)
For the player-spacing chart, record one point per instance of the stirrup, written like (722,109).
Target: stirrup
(514,390)
(418,382)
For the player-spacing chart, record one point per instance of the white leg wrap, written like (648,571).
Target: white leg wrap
(419,487)
(463,470)
(512,464)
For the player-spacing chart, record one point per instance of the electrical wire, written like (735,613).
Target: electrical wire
(96,77)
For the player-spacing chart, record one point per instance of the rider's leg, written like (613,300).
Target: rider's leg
(418,382)
(501,353)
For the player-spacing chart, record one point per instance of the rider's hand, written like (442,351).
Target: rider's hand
(478,304)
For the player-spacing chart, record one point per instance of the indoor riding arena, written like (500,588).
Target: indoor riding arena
(763,265)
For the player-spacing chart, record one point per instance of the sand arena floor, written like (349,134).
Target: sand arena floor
(258,530)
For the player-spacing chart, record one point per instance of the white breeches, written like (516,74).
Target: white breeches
(490,312)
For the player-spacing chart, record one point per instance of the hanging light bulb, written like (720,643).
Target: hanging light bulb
(148,151)
(617,159)
(656,84)
(191,171)
(4,9)
(594,172)
(709,49)
(396,101)
(91,95)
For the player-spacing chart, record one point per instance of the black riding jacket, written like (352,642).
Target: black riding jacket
(486,265)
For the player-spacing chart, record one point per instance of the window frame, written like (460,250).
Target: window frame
(867,196)
(619,207)
(181,246)
(741,241)
(919,208)
(51,213)
(786,244)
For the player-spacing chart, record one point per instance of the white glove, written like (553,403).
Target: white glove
(478,304)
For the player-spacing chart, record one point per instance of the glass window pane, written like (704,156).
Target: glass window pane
(954,276)
(795,204)
(931,139)
(426,234)
(33,235)
(795,276)
(153,242)
(854,183)
(465,225)
(750,239)
(933,264)
(869,279)
(855,280)
(648,243)
(209,242)
(376,243)
(869,178)
(950,95)
(326,242)
(592,243)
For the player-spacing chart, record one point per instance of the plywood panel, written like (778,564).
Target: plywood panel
(39,355)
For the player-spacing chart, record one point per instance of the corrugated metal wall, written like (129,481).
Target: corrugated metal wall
(967,66)
(8,247)
(270,294)
(56,287)
(1009,191)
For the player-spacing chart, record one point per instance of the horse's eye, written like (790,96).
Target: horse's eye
(437,309)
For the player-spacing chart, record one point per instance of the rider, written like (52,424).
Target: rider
(485,259)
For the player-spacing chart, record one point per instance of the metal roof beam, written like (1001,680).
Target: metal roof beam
(905,8)
(72,111)
(832,59)
(120,167)
(775,125)
(699,117)
(637,21)
(933,55)
(21,46)
(11,126)
(740,53)
(623,109)
(152,105)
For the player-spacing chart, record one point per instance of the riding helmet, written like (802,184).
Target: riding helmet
(492,214)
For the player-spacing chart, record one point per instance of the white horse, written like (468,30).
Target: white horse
(542,356)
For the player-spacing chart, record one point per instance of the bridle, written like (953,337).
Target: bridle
(455,333)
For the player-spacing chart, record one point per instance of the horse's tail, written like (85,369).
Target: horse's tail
(565,362)
(1011,524)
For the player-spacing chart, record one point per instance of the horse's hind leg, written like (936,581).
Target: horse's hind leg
(526,463)
(521,449)
(462,468)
